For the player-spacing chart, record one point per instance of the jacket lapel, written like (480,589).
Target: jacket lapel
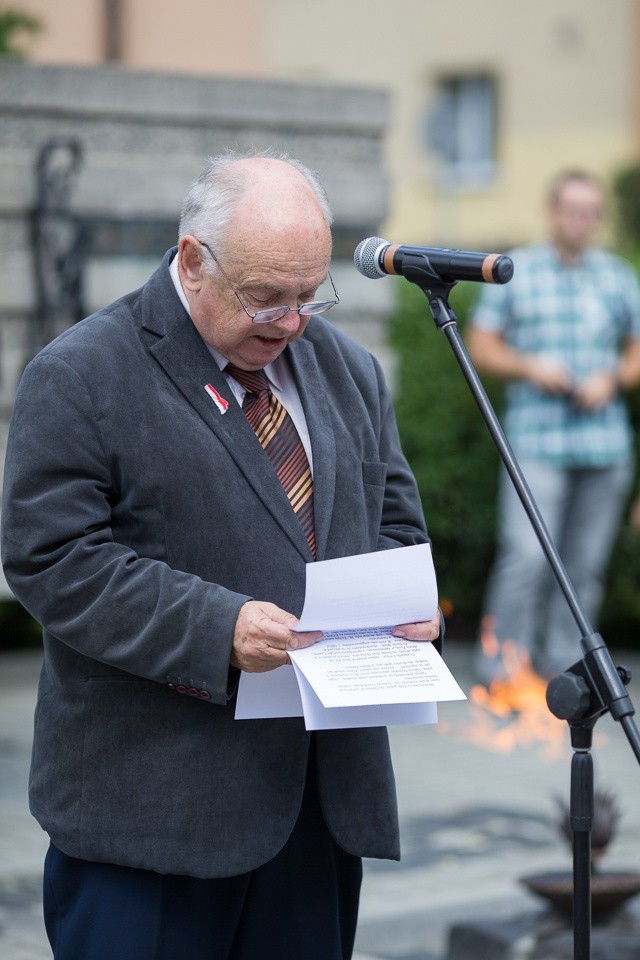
(313,395)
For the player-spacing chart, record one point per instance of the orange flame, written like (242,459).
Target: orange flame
(512,712)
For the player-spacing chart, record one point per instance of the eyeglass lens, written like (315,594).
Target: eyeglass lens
(305,310)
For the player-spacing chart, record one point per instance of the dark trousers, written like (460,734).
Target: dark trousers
(302,905)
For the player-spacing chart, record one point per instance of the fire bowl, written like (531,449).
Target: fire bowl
(609,891)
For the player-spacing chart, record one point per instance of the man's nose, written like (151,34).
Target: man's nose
(290,321)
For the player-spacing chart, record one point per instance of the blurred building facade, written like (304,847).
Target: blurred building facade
(95,162)
(488,100)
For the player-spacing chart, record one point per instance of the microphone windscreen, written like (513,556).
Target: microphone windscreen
(365,257)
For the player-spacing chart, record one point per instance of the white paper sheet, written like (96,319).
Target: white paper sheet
(272,694)
(318,717)
(365,667)
(370,590)
(360,674)
(279,693)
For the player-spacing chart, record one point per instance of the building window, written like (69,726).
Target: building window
(461,129)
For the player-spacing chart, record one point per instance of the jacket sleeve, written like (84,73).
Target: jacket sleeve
(61,560)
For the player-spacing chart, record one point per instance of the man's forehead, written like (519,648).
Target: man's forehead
(269,247)
(576,192)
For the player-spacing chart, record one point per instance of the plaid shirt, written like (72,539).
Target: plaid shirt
(580,315)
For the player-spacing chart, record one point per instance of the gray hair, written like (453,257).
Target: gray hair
(212,199)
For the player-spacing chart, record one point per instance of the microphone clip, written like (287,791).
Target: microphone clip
(417,269)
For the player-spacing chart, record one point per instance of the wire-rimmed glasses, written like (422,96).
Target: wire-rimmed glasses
(277,313)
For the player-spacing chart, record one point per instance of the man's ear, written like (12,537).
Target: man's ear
(190,263)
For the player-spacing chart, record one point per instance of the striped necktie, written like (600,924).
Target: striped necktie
(277,433)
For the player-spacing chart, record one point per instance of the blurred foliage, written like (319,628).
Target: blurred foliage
(620,619)
(620,616)
(626,194)
(13,25)
(449,448)
(456,466)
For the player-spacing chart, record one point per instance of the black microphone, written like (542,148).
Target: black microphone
(375,258)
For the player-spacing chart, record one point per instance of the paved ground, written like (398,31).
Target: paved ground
(474,820)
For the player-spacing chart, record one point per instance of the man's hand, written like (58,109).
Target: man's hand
(547,375)
(596,390)
(263,634)
(427,630)
(492,354)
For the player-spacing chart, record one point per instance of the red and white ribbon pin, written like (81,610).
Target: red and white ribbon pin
(219,400)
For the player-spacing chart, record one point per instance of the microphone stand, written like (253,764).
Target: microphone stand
(589,688)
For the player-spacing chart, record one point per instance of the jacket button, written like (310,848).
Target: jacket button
(181,688)
(204,695)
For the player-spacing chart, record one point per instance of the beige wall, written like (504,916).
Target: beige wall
(567,74)
(566,71)
(71,31)
(196,36)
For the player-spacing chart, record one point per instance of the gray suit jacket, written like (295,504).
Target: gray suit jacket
(137,520)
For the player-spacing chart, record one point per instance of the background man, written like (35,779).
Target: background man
(565,334)
(160,507)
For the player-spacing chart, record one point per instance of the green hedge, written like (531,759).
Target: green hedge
(449,449)
(456,466)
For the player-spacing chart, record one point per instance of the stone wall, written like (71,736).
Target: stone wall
(143,138)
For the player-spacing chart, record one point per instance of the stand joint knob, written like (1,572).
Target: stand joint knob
(568,696)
